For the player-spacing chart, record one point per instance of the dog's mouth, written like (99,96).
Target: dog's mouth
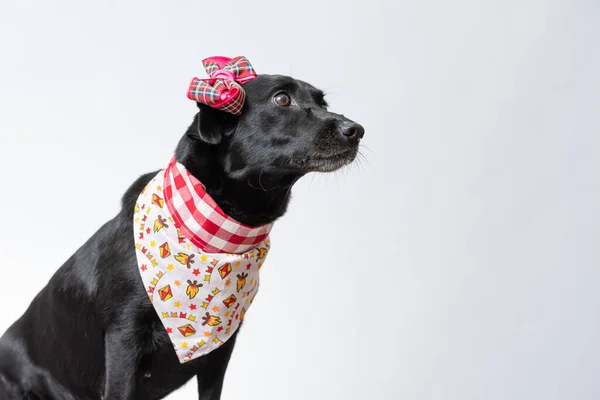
(329,162)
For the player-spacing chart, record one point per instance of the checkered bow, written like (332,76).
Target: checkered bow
(223,90)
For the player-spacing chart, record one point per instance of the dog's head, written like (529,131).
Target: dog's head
(285,127)
(284,132)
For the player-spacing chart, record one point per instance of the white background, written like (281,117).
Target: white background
(461,261)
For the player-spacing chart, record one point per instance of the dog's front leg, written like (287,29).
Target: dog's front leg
(210,380)
(122,355)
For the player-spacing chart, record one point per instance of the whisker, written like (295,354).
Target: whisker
(311,181)
(362,158)
(259,179)
(327,91)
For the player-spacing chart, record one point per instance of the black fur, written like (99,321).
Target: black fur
(97,335)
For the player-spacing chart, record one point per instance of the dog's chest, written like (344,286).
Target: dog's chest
(160,372)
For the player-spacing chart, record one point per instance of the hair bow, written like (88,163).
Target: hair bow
(223,90)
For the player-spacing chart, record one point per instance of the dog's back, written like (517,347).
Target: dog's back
(68,315)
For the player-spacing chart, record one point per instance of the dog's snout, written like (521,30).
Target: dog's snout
(352,130)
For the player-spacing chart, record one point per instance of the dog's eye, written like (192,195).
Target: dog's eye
(282,99)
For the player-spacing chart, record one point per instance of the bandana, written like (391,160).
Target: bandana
(223,90)
(199,267)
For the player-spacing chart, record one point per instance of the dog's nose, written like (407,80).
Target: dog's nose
(352,130)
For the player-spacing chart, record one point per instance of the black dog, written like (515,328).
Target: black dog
(96,334)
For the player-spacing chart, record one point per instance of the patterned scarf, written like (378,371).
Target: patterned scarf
(199,266)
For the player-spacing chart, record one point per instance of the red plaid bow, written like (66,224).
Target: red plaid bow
(223,90)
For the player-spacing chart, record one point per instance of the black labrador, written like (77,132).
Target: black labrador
(96,333)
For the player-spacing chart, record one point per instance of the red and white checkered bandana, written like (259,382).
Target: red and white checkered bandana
(223,90)
(201,220)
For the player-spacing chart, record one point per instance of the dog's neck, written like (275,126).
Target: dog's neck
(253,198)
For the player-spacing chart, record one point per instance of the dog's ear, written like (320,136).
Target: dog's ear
(211,125)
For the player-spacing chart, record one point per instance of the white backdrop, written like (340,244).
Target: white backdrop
(465,249)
